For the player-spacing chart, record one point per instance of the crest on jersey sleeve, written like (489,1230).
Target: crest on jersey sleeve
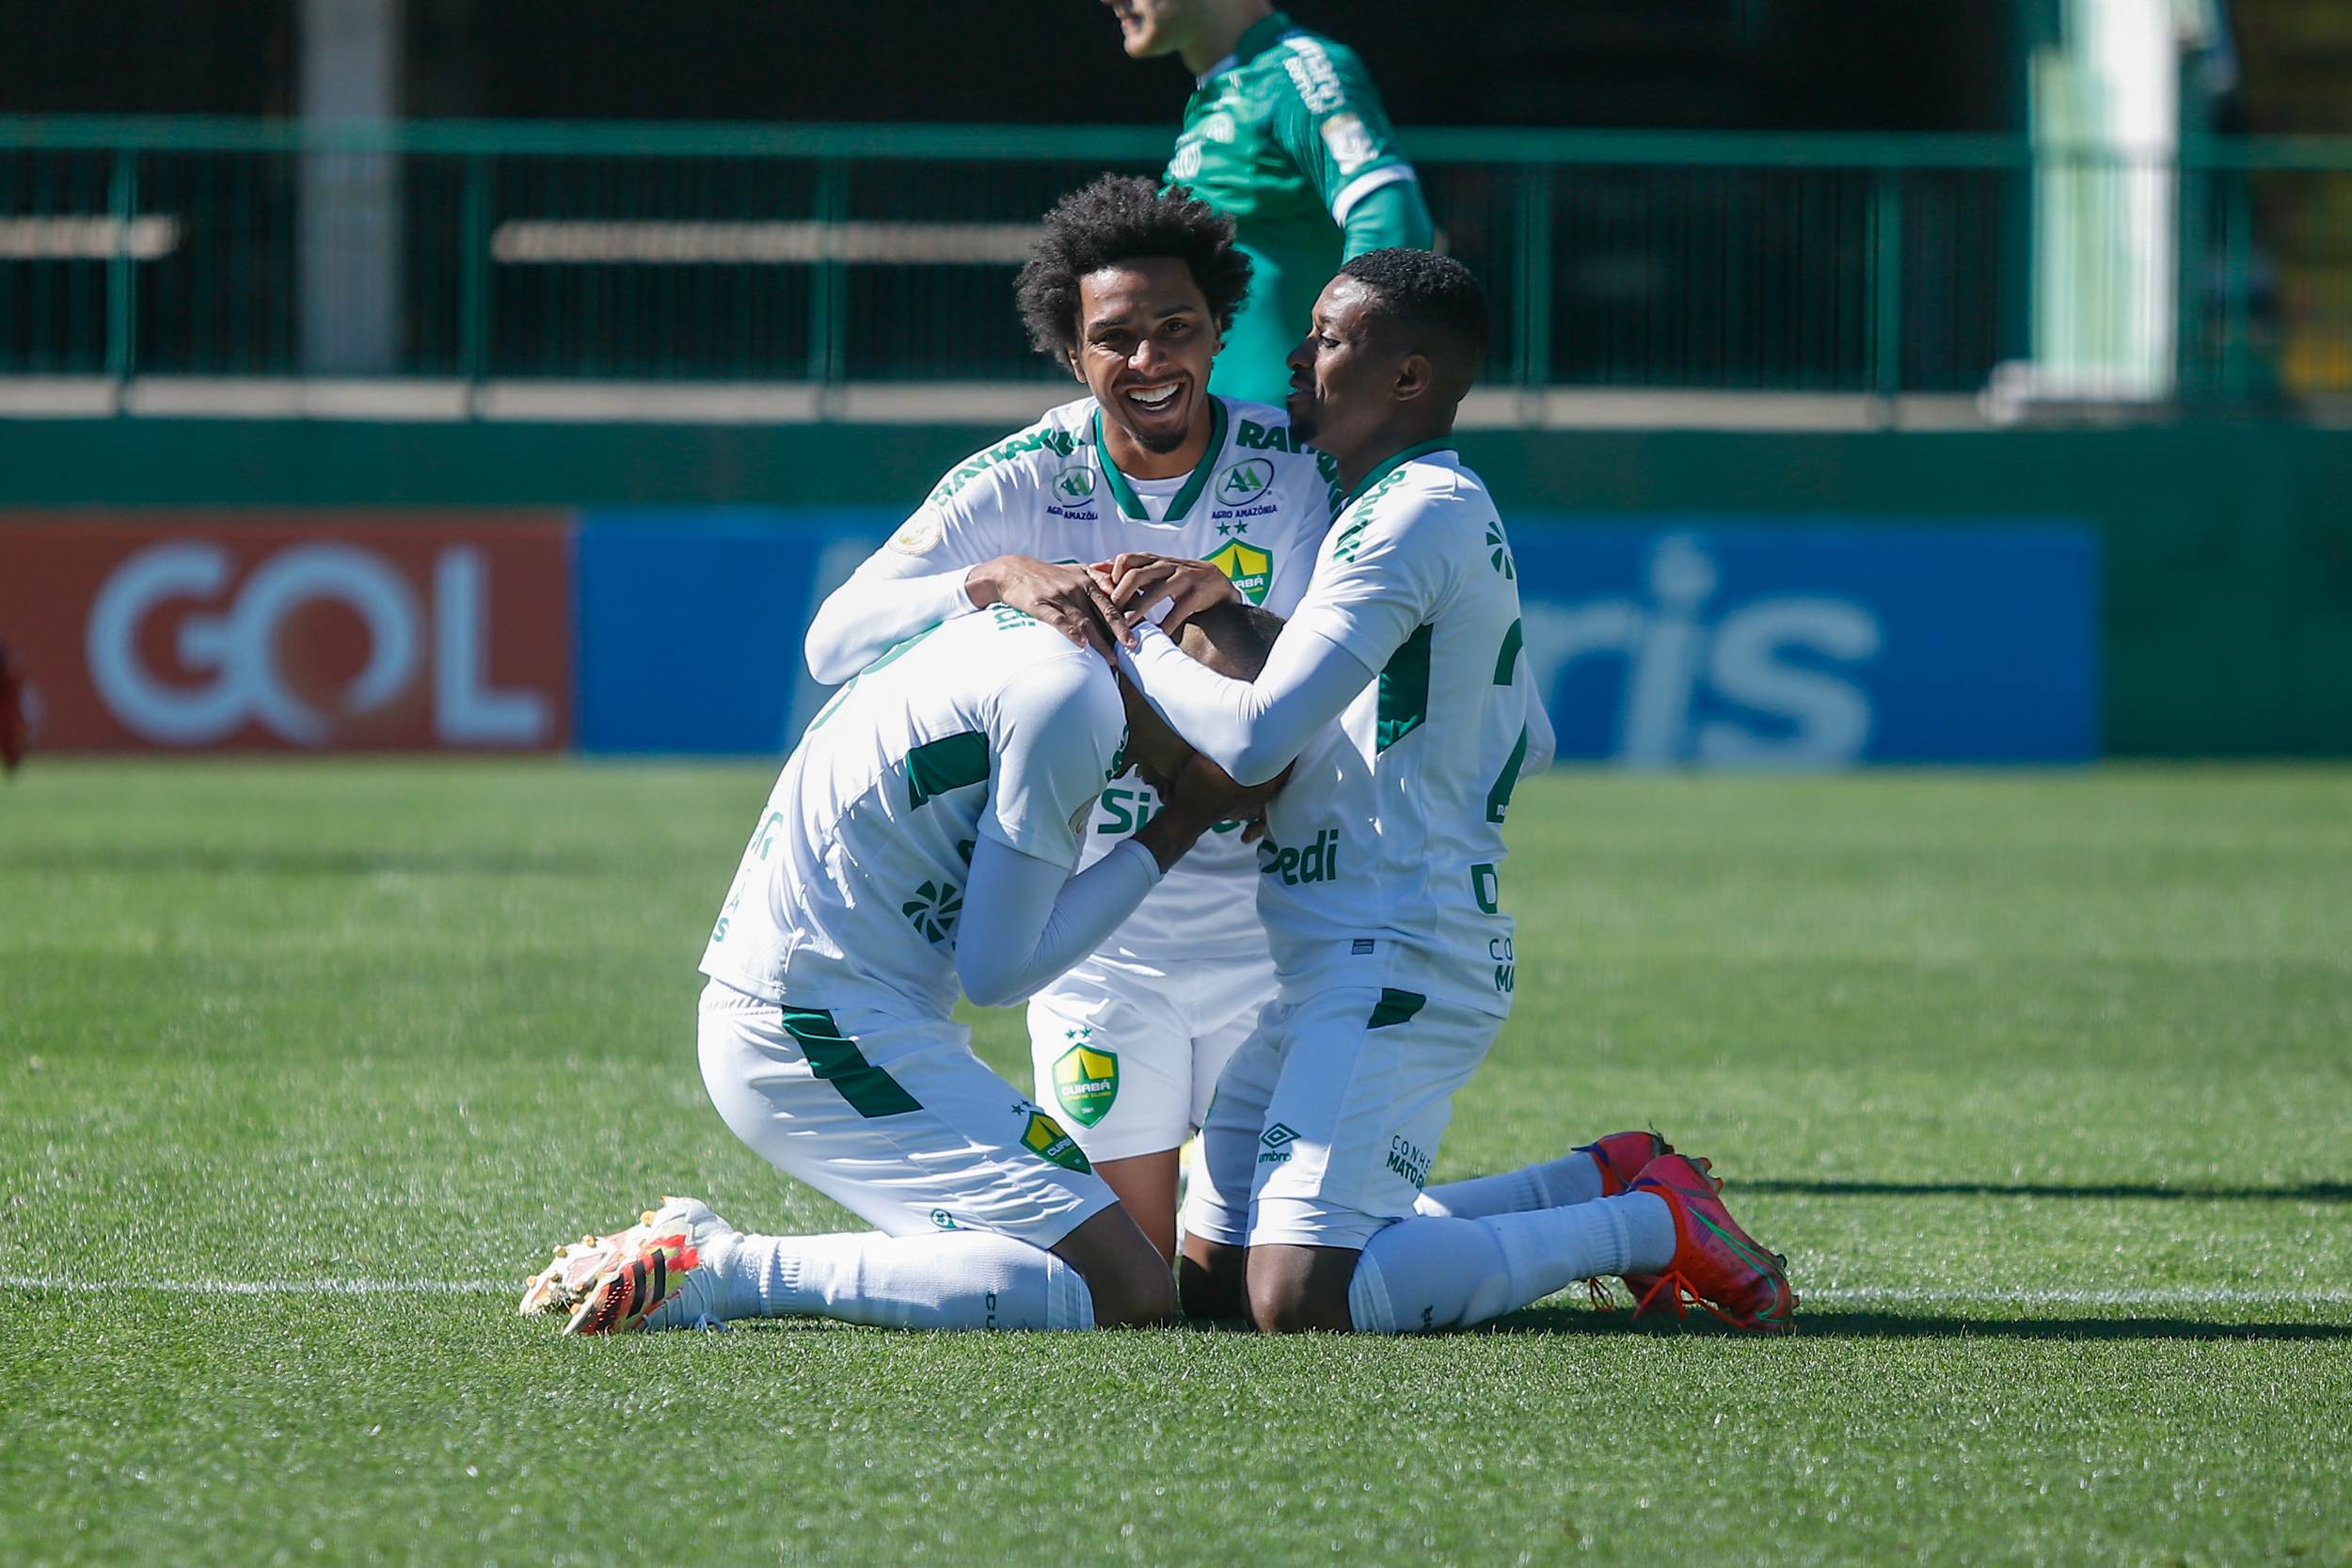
(918,535)
(1349,142)
(1250,568)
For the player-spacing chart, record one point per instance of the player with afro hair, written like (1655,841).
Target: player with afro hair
(1123,218)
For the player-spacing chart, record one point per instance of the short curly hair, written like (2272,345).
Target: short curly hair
(1437,300)
(1124,218)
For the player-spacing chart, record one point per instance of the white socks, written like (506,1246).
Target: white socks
(1555,1184)
(1474,1250)
(1428,1272)
(953,1279)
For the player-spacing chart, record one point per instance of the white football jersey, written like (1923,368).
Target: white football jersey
(1256,506)
(1384,852)
(850,892)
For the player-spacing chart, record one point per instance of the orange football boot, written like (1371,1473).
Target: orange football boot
(1716,1263)
(634,1286)
(1623,1156)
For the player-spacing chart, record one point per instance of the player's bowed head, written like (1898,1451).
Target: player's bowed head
(1396,341)
(1233,639)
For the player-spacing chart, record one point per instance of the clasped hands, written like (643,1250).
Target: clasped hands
(1092,605)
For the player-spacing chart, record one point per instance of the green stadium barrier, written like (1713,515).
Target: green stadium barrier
(814,255)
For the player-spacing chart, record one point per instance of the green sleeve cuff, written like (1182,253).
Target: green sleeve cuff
(1392,215)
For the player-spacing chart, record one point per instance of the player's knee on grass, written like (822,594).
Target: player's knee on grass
(1212,1281)
(1124,1273)
(1296,1288)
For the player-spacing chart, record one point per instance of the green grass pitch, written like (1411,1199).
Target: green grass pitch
(2043,1083)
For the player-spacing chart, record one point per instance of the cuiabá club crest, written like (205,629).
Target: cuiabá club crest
(1048,1141)
(1252,568)
(1086,1081)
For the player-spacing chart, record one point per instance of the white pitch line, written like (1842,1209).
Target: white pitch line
(2174,1295)
(261,1287)
(1859,1295)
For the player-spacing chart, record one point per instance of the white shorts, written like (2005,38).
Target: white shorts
(1328,1119)
(1130,1051)
(932,1140)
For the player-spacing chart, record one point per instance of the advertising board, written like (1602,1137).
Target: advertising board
(1723,642)
(338,630)
(1680,640)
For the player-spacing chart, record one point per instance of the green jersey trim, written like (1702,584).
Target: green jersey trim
(1385,469)
(1394,1008)
(951,761)
(1499,798)
(1506,662)
(1403,703)
(980,462)
(1131,504)
(836,1058)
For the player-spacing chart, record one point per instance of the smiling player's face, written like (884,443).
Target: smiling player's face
(1145,341)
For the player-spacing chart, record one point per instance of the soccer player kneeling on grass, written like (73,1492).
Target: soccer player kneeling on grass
(921,838)
(1130,289)
(1398,697)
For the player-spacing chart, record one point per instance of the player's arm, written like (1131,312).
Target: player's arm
(894,594)
(883,603)
(1336,132)
(1392,215)
(1026,921)
(1355,617)
(948,559)
(1251,729)
(1026,918)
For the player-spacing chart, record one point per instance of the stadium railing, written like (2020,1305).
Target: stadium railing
(807,260)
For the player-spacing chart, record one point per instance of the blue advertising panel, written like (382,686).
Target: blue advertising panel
(1710,642)
(1722,642)
(690,622)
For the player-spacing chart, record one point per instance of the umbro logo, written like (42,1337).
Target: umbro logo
(1278,1140)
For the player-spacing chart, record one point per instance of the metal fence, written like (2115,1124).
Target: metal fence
(476,253)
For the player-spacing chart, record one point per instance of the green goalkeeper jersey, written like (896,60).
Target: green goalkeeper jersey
(1286,136)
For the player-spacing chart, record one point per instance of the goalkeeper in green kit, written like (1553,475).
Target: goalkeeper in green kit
(1286,135)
